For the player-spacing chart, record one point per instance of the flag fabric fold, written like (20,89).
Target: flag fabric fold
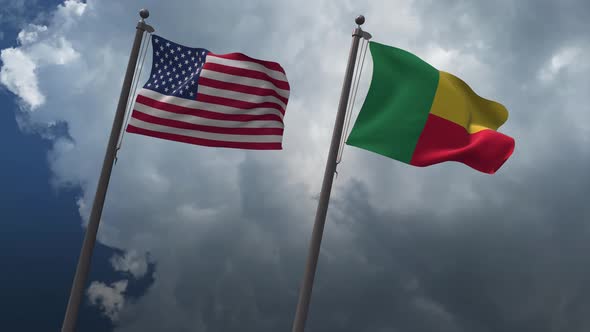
(219,100)
(421,116)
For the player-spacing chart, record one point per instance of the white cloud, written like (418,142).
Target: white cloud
(559,61)
(109,299)
(20,65)
(30,34)
(70,8)
(18,75)
(131,262)
(39,49)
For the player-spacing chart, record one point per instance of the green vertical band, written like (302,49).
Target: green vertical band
(397,104)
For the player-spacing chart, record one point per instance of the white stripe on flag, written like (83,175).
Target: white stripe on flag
(187,118)
(205,135)
(254,82)
(199,105)
(246,65)
(207,90)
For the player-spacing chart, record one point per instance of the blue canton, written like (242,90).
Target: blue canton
(175,68)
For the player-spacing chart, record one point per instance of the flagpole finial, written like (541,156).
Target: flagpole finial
(360,20)
(144,13)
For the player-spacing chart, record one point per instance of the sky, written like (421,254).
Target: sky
(201,239)
(41,235)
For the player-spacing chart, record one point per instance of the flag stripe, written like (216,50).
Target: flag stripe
(443,140)
(181,124)
(236,103)
(246,65)
(205,135)
(246,73)
(243,57)
(204,142)
(239,96)
(243,81)
(206,110)
(191,118)
(455,101)
(205,81)
(397,104)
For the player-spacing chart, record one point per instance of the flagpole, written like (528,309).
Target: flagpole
(320,218)
(83,268)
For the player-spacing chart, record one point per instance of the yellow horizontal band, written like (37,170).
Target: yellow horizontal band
(457,102)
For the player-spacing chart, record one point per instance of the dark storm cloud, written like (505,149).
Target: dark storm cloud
(520,36)
(512,260)
(519,265)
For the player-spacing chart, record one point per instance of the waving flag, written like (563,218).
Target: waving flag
(220,100)
(421,116)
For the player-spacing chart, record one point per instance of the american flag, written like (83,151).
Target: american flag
(220,100)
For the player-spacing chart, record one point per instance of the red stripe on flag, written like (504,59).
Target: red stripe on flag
(210,129)
(204,142)
(241,88)
(443,140)
(205,114)
(237,103)
(245,73)
(242,57)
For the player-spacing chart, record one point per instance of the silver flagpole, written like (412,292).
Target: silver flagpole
(83,268)
(320,218)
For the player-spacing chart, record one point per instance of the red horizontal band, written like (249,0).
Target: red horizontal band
(443,140)
(210,129)
(242,57)
(204,142)
(238,103)
(245,73)
(204,113)
(241,88)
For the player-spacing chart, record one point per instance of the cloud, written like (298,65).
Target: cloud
(31,34)
(405,249)
(559,61)
(109,299)
(18,75)
(131,262)
(39,48)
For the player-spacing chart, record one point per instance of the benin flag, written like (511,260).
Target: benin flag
(421,116)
